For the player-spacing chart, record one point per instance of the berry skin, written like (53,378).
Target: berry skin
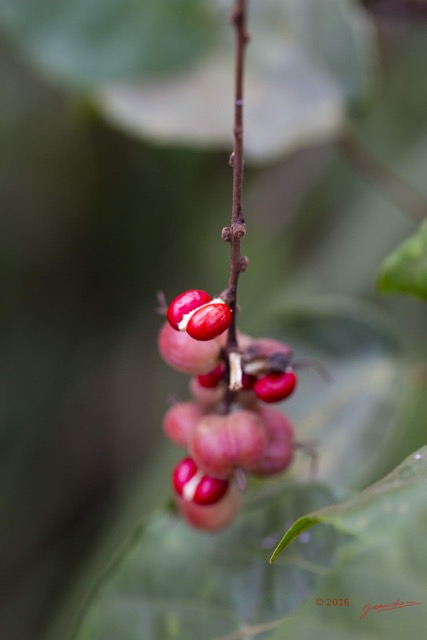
(193,485)
(275,387)
(180,420)
(183,353)
(202,317)
(209,321)
(280,449)
(212,517)
(213,378)
(220,443)
(208,398)
(186,303)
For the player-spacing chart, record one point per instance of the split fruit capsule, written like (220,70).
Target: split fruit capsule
(193,485)
(200,315)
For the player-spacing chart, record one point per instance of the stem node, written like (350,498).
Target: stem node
(226,234)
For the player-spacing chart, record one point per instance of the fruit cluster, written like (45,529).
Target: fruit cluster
(225,428)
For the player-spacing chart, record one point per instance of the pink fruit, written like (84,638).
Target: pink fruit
(280,449)
(183,353)
(180,420)
(214,516)
(220,443)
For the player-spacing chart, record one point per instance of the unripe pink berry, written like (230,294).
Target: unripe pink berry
(220,443)
(206,397)
(180,420)
(211,517)
(193,485)
(184,304)
(183,353)
(280,450)
(275,387)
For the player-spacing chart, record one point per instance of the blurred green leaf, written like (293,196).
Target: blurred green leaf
(305,63)
(373,510)
(164,70)
(85,42)
(179,583)
(385,562)
(405,270)
(176,583)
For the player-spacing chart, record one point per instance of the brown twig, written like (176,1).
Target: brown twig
(237,230)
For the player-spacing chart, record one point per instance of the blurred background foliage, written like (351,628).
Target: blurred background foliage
(115,130)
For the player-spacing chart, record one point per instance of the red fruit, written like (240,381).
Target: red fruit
(248,381)
(194,311)
(220,443)
(180,420)
(183,353)
(280,450)
(195,486)
(213,378)
(184,304)
(214,516)
(209,321)
(275,386)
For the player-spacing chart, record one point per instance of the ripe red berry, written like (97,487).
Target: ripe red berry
(184,304)
(280,449)
(180,420)
(183,353)
(197,313)
(213,378)
(275,387)
(193,485)
(220,443)
(248,381)
(211,517)
(209,321)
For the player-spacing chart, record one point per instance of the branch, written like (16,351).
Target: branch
(237,230)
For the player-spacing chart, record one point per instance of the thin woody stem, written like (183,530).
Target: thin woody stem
(237,229)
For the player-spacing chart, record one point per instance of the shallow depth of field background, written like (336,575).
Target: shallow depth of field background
(95,219)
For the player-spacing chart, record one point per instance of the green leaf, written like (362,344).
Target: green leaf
(85,42)
(373,510)
(306,62)
(179,583)
(163,70)
(384,562)
(301,525)
(405,270)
